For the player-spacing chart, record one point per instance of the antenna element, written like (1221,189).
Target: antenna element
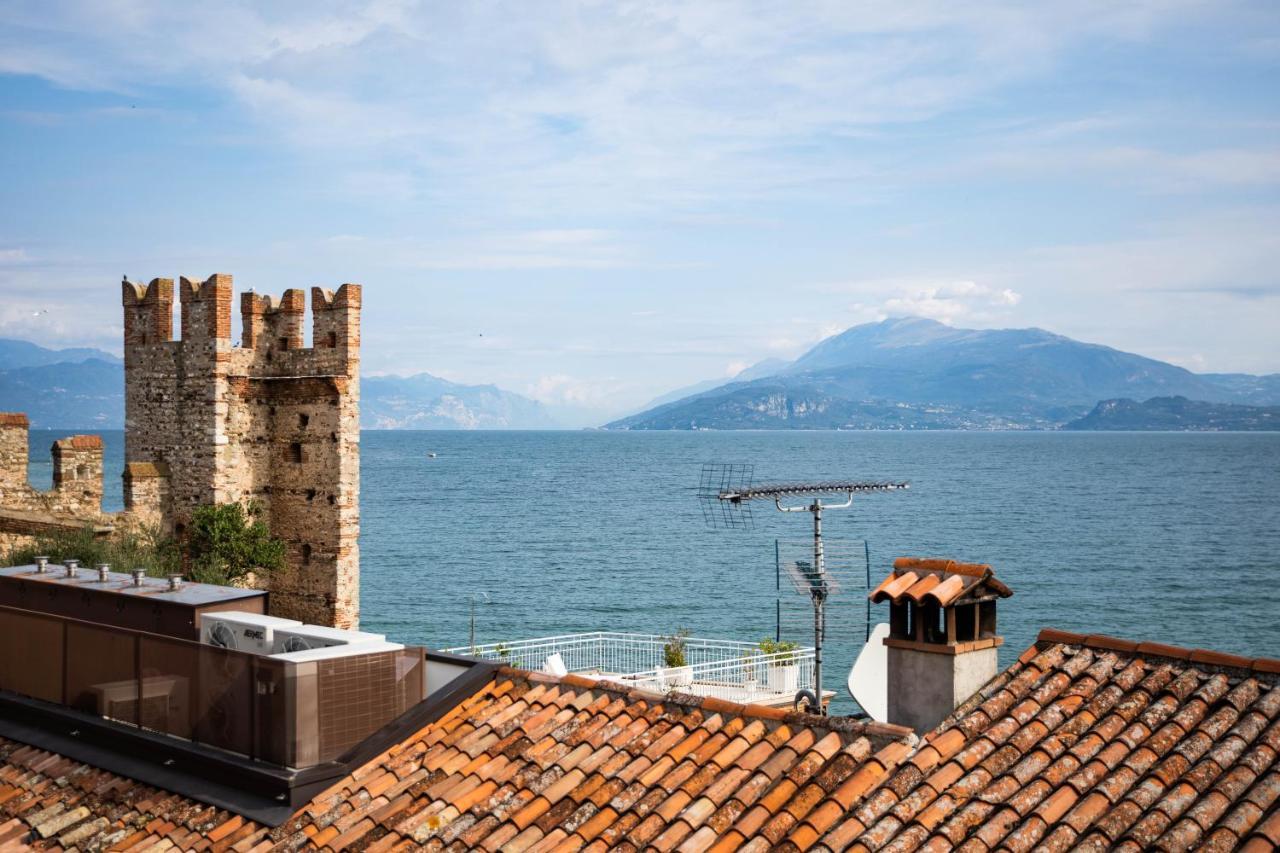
(726,492)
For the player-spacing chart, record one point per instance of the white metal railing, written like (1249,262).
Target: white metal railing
(728,669)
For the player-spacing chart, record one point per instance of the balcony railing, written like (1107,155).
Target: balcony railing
(728,669)
(294,715)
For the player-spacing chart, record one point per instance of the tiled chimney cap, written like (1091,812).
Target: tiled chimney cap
(938,580)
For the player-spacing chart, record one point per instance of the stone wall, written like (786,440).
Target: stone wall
(268,420)
(76,497)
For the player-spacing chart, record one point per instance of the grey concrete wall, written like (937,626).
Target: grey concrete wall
(925,687)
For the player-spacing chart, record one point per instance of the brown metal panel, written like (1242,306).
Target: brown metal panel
(152,607)
(31,660)
(224,703)
(168,685)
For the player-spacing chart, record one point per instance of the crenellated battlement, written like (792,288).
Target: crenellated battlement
(148,312)
(206,308)
(270,325)
(77,472)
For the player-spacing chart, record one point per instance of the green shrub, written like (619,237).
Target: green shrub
(225,542)
(673,648)
(784,649)
(141,548)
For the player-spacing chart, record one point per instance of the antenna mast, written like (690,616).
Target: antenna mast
(726,494)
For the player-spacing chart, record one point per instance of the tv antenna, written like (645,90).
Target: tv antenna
(726,492)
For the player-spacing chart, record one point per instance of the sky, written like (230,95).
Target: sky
(594,203)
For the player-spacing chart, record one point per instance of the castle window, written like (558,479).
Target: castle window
(311,494)
(303,420)
(333,340)
(82,471)
(284,343)
(306,555)
(295,452)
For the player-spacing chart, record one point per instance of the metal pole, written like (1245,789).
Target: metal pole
(471,642)
(866,556)
(777,596)
(819,591)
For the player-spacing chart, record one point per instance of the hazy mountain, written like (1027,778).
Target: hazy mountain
(1258,390)
(918,374)
(15,353)
(1177,413)
(68,395)
(760,369)
(424,401)
(84,389)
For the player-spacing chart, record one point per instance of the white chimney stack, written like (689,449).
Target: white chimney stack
(942,643)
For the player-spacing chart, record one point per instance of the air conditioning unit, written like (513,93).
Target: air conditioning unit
(243,632)
(301,638)
(344,650)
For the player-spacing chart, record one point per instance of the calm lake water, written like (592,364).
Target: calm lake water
(1168,536)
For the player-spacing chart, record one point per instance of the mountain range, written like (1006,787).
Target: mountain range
(905,373)
(84,389)
(1178,413)
(913,373)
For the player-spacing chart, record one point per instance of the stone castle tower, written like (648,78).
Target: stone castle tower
(211,421)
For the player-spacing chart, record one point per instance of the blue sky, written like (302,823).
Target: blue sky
(592,203)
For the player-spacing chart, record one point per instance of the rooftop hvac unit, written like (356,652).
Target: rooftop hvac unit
(301,638)
(243,632)
(345,650)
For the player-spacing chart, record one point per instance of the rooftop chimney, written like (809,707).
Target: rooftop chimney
(942,636)
(72,567)
(42,565)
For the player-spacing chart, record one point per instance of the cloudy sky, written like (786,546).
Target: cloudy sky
(592,203)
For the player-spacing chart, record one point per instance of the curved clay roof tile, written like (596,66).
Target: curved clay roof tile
(893,586)
(947,591)
(919,588)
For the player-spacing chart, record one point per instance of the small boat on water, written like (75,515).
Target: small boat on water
(431,456)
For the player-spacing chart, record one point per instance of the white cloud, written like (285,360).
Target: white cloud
(563,103)
(946,300)
(564,390)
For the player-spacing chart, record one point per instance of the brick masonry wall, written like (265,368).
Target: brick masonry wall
(268,420)
(76,496)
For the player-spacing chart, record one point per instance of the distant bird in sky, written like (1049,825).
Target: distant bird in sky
(41,311)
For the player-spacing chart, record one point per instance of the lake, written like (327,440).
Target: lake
(1166,536)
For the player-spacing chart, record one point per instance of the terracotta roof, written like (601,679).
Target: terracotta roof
(83,442)
(1086,742)
(528,762)
(140,470)
(938,580)
(1090,743)
(13,419)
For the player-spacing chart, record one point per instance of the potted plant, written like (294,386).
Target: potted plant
(675,671)
(783,670)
